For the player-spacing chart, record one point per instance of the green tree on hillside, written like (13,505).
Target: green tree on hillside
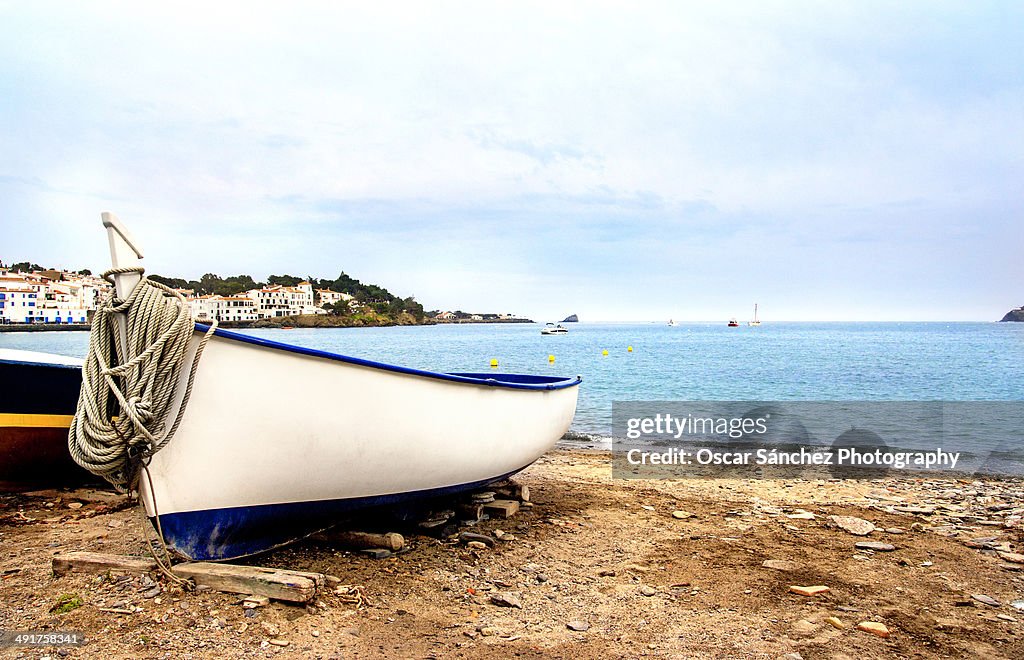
(284,280)
(340,308)
(26,267)
(369,296)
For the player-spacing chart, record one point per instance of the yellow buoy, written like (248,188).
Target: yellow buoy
(604,352)
(494,362)
(629,349)
(551,358)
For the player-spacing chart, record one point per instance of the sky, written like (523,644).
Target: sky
(622,161)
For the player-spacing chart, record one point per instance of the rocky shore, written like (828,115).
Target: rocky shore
(595,567)
(44,327)
(364,320)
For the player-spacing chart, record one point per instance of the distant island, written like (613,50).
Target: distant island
(572,318)
(1014,315)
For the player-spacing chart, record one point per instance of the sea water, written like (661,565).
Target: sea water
(688,362)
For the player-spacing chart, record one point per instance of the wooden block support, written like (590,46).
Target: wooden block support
(513,491)
(97,562)
(502,508)
(293,586)
(281,584)
(471,511)
(361,540)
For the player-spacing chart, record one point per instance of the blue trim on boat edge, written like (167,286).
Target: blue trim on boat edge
(510,381)
(29,363)
(225,534)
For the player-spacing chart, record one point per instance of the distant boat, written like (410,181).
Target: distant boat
(40,394)
(756,321)
(733,323)
(552,329)
(672,323)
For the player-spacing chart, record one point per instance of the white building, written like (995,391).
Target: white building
(277,300)
(236,308)
(223,308)
(21,298)
(62,302)
(49,296)
(204,308)
(328,297)
(18,305)
(87,290)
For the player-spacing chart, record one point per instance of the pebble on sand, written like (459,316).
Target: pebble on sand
(874,628)
(809,591)
(780,564)
(254,601)
(877,546)
(1012,557)
(506,599)
(987,600)
(853,525)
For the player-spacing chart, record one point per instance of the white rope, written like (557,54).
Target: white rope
(128,386)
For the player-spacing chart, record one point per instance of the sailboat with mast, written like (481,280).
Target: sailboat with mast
(756,322)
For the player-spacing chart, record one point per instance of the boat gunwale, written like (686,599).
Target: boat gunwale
(557,384)
(55,365)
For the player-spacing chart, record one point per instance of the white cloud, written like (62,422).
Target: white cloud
(442,124)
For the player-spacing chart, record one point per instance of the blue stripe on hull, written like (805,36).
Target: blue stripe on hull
(508,381)
(222,534)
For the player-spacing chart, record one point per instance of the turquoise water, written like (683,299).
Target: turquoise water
(785,361)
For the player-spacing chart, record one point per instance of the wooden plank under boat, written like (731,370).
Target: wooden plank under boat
(40,391)
(278,441)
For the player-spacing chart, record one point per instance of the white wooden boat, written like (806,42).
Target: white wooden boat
(279,441)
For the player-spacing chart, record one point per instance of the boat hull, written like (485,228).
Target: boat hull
(38,403)
(277,442)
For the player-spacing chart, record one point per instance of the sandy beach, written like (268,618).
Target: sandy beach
(594,568)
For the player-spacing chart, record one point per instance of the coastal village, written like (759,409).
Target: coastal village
(49,296)
(62,297)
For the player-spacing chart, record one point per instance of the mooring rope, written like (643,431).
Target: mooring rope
(163,558)
(128,387)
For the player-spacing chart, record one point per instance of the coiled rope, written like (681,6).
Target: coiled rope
(128,387)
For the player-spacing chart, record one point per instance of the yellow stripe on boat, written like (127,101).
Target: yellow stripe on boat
(20,420)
